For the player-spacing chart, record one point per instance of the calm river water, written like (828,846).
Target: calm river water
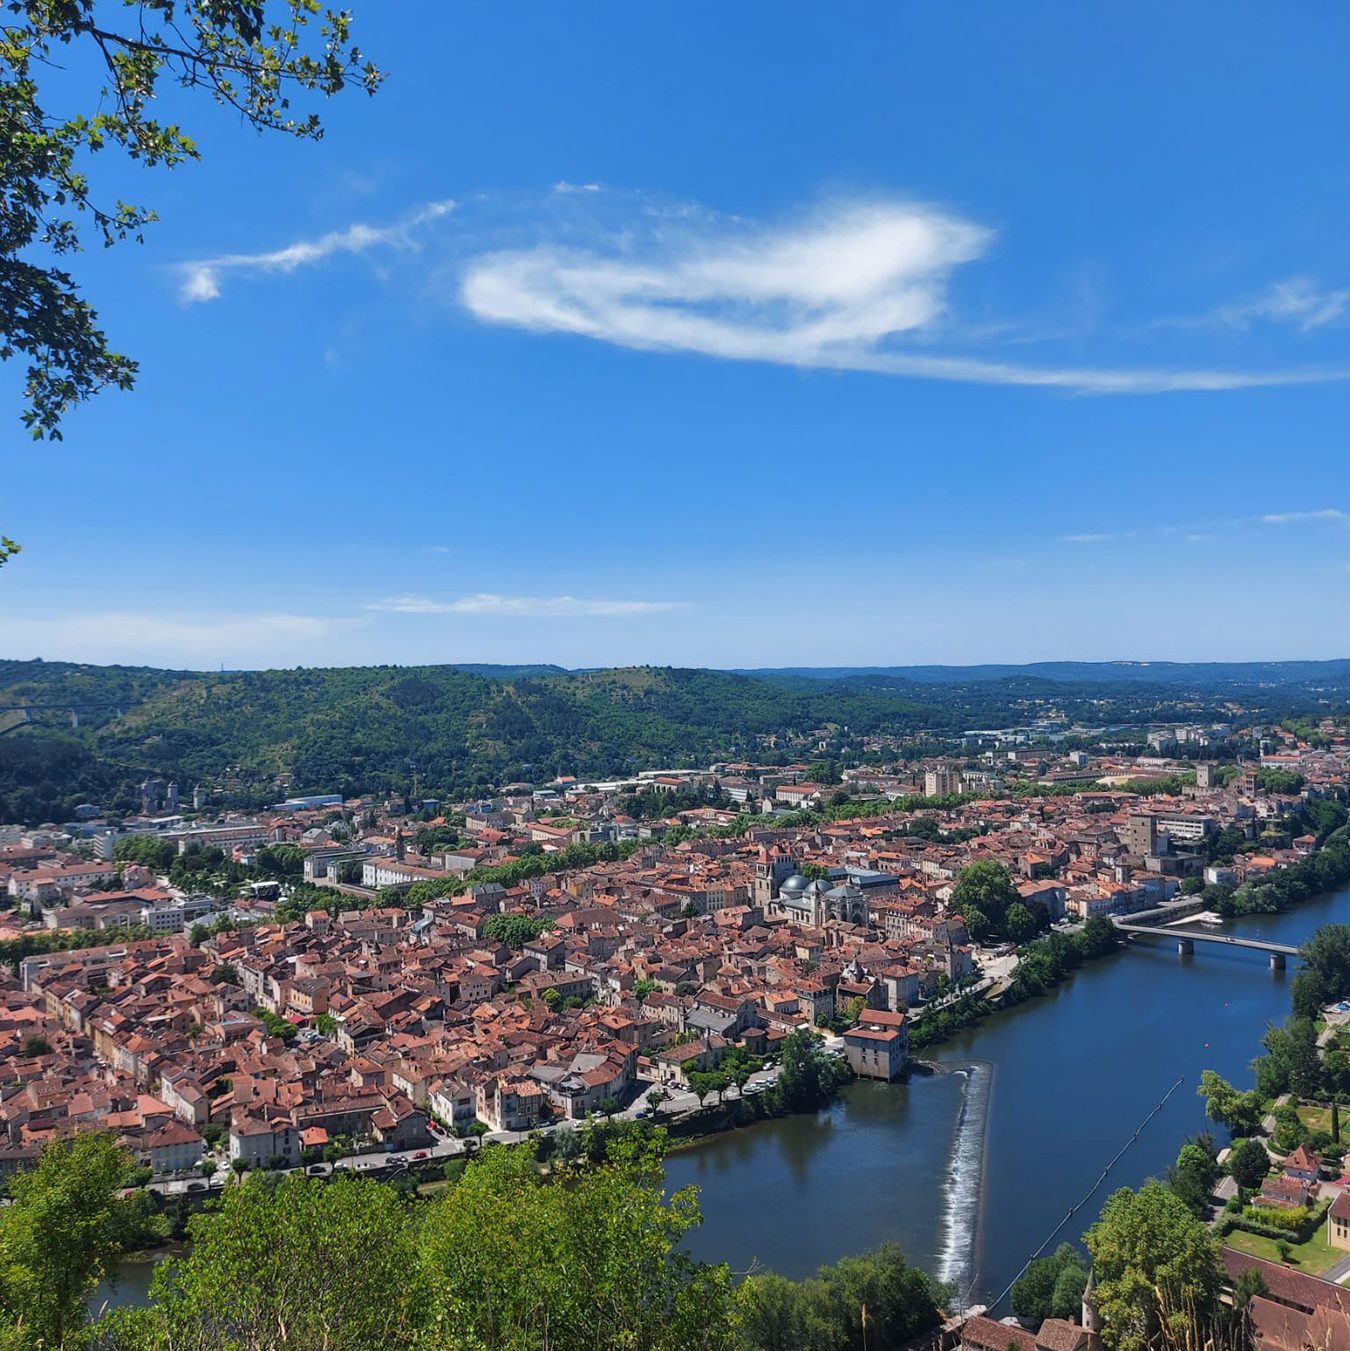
(969,1169)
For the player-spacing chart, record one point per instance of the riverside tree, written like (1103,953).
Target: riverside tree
(515,1261)
(1051,1287)
(874,1301)
(62,1233)
(1228,1106)
(1291,1061)
(809,1077)
(1156,1268)
(1196,1170)
(299,1264)
(1324,976)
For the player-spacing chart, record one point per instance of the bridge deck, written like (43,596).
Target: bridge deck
(1199,936)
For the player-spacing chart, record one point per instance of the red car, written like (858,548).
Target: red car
(421,1154)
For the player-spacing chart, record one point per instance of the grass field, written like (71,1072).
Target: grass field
(1313,1257)
(1316,1118)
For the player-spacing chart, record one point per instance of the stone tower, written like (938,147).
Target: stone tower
(1092,1318)
(772,869)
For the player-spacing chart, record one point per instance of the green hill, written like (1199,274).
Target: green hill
(359,729)
(459,729)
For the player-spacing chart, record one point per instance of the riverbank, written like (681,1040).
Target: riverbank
(1043,964)
(1068,1075)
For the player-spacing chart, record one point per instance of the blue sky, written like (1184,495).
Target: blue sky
(730,335)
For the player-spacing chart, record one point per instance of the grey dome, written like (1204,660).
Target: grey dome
(794,885)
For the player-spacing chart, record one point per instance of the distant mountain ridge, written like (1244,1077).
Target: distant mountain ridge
(1143,672)
(72,732)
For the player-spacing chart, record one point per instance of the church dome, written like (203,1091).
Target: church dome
(794,885)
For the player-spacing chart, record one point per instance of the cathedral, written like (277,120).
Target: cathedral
(811,904)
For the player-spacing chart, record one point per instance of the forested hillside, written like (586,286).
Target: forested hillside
(361,728)
(82,732)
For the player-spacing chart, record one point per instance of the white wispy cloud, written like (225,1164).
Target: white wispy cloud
(1296,300)
(1304,517)
(1203,532)
(200,280)
(564,186)
(855,286)
(524,607)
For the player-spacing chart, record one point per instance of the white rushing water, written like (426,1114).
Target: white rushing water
(965,1172)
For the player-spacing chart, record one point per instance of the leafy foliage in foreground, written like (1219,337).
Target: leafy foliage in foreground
(509,1258)
(248,55)
(873,1301)
(1156,1266)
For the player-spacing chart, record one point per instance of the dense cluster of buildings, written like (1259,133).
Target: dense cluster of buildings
(648,970)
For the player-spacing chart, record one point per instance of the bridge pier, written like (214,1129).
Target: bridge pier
(1277,961)
(1185,947)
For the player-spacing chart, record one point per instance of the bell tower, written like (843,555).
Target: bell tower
(1092,1318)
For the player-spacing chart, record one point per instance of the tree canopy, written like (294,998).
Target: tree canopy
(516,1261)
(514,930)
(1324,976)
(509,1257)
(252,56)
(59,1237)
(1248,1163)
(809,1077)
(1051,1287)
(1156,1268)
(1193,1175)
(292,1264)
(873,1301)
(1228,1106)
(983,893)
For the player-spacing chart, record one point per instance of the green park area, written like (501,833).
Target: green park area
(1312,1258)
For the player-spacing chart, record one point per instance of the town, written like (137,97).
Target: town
(354,983)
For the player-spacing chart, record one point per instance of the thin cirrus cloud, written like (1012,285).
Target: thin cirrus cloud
(1305,517)
(526,607)
(840,290)
(1296,300)
(201,280)
(1202,532)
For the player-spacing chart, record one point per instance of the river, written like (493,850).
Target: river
(970,1168)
